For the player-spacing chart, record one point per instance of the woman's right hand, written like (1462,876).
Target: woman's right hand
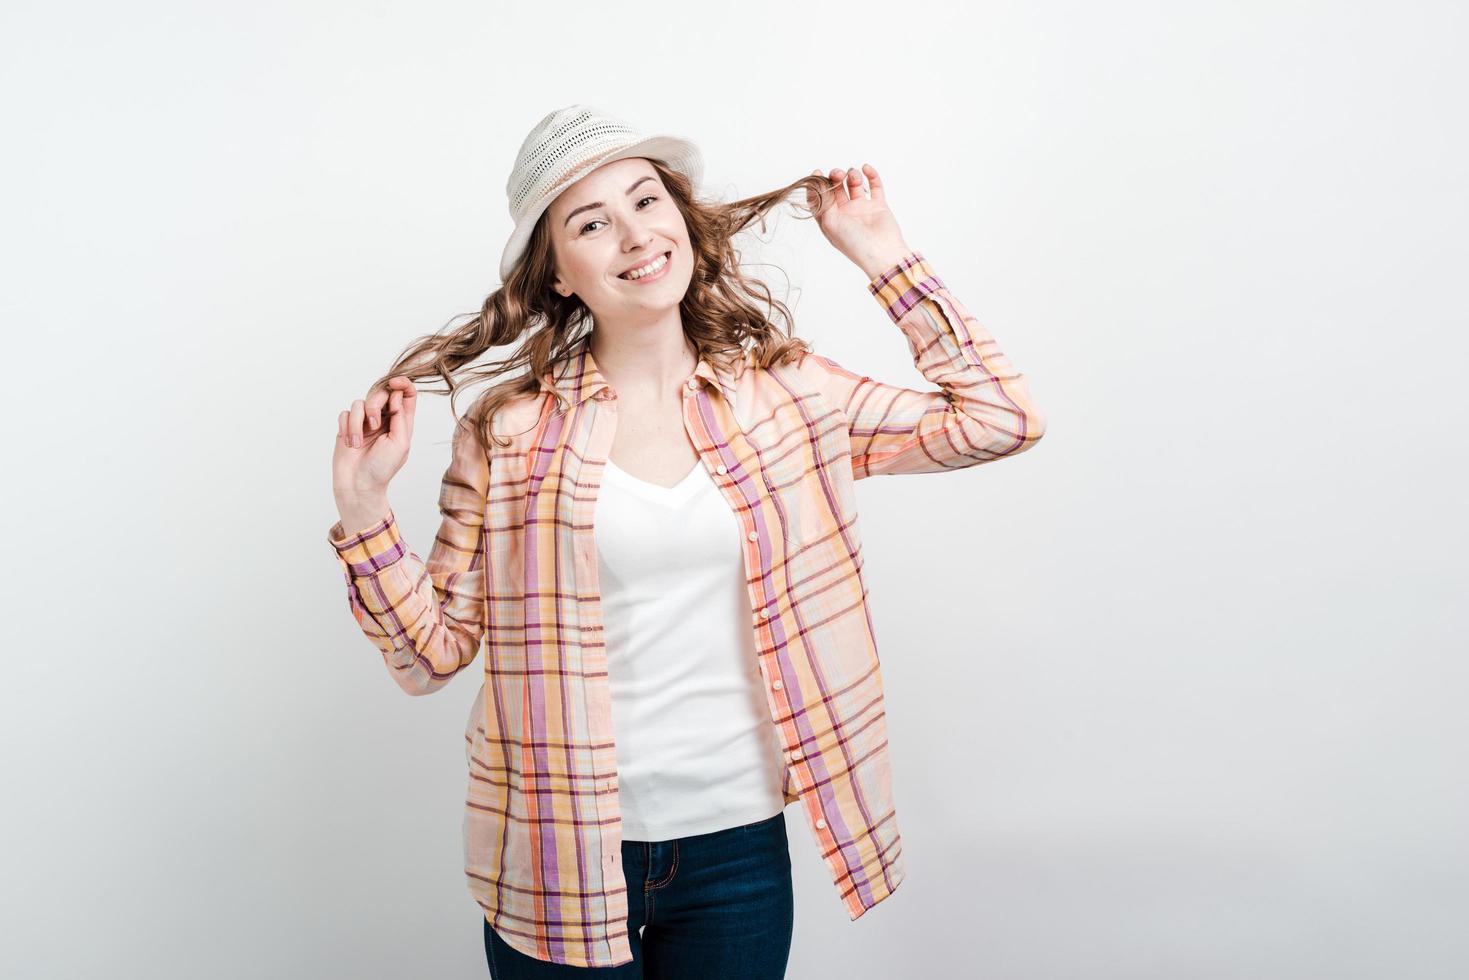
(370,448)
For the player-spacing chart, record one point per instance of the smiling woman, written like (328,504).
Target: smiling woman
(639,237)
(586,223)
(669,663)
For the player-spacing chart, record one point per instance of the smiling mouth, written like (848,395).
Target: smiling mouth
(667,261)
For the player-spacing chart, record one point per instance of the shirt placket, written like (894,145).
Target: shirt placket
(721,442)
(602,420)
(720,445)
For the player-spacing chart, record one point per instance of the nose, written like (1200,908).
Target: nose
(637,236)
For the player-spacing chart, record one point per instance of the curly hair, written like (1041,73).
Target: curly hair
(719,315)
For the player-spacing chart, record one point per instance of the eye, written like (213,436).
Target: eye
(646,197)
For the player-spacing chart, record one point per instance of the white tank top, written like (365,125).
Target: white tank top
(696,748)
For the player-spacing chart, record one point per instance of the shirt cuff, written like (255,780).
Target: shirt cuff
(370,550)
(903,286)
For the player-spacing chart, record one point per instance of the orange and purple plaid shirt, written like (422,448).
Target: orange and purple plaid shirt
(514,561)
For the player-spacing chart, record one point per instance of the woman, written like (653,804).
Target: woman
(655,529)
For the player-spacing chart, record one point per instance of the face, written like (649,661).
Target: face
(618,217)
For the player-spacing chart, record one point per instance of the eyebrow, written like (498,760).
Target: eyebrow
(599,204)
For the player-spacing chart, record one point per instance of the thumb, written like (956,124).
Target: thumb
(400,420)
(409,401)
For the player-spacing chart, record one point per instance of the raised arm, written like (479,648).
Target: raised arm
(982,410)
(427,618)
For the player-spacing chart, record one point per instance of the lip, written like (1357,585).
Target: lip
(668,254)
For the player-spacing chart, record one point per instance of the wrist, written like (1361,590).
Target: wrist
(357,516)
(880,260)
(359,497)
(361,501)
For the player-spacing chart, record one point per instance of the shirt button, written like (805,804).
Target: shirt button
(753,535)
(796,754)
(776,685)
(692,384)
(764,612)
(721,468)
(820,823)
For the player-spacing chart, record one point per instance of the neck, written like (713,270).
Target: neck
(649,366)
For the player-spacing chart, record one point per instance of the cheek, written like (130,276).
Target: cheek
(589,267)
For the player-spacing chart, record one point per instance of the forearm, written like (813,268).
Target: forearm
(425,618)
(981,410)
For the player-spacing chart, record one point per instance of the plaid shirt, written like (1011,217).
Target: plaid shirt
(515,561)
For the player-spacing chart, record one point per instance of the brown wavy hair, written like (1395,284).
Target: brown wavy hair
(720,317)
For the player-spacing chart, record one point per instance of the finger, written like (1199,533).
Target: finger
(342,426)
(396,422)
(874,181)
(378,400)
(855,187)
(839,177)
(827,191)
(823,198)
(354,424)
(408,402)
(373,410)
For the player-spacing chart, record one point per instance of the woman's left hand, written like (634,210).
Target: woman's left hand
(858,222)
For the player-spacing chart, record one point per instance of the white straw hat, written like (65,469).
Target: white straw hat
(565,146)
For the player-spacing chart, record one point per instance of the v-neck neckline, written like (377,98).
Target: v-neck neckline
(656,490)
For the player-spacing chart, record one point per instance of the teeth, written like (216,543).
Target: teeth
(641,271)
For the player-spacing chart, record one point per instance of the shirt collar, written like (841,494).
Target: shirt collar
(577,377)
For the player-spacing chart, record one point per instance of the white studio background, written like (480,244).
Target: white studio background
(1177,694)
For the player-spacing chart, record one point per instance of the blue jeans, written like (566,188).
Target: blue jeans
(716,906)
